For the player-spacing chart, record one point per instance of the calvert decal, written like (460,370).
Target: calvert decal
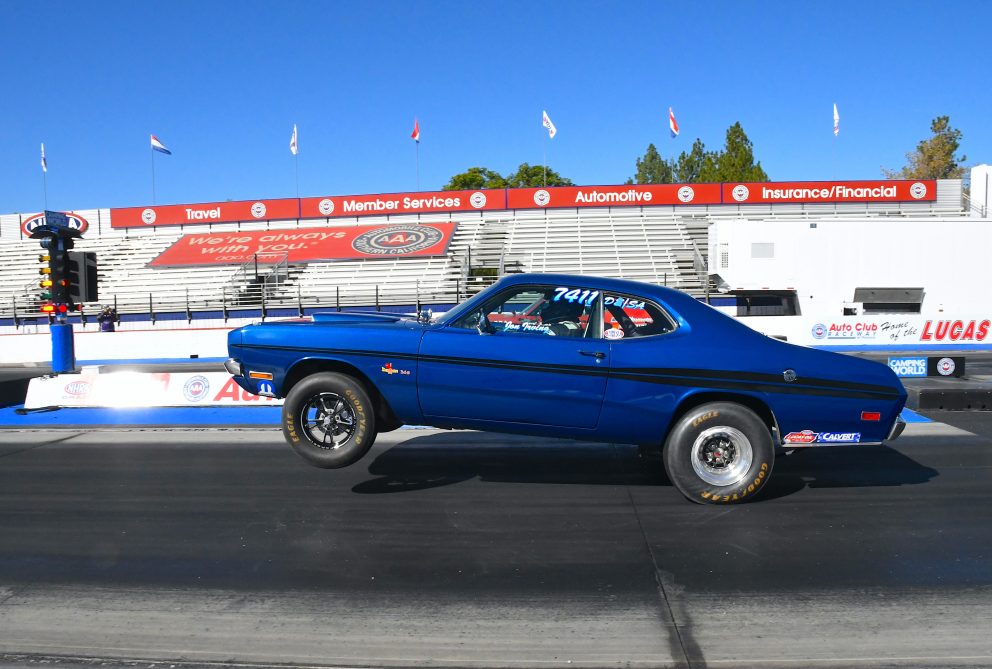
(924,190)
(838,437)
(309,244)
(613,196)
(217,212)
(76,222)
(810,437)
(401,203)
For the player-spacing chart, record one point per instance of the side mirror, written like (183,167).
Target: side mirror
(484,326)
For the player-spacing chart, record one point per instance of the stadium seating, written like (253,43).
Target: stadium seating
(661,244)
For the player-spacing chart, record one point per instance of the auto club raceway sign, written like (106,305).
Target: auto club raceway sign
(337,206)
(892,331)
(310,244)
(140,389)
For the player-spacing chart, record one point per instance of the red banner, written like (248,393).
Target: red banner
(810,192)
(614,196)
(310,244)
(214,212)
(401,203)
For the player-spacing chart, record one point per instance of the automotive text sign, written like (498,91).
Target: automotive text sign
(613,196)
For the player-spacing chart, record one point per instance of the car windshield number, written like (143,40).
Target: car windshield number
(584,297)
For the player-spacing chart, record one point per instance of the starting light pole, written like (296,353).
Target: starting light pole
(56,238)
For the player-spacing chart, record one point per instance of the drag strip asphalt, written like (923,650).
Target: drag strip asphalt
(446,548)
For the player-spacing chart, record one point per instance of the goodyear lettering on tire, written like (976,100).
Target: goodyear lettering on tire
(752,487)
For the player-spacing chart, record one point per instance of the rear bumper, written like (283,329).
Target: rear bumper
(897,429)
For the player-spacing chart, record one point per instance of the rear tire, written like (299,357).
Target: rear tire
(719,453)
(328,420)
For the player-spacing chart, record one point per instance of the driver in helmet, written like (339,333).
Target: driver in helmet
(562,318)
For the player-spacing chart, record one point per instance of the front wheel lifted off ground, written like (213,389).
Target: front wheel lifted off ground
(719,453)
(328,420)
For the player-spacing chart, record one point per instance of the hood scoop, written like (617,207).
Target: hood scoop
(343,318)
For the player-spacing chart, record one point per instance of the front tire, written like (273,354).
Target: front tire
(328,420)
(719,453)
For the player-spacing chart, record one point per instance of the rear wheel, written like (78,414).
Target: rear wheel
(719,453)
(328,420)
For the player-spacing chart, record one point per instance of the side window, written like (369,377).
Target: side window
(554,311)
(625,316)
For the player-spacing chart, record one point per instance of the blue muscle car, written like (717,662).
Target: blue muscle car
(571,356)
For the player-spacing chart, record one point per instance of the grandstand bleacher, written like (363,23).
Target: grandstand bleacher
(657,244)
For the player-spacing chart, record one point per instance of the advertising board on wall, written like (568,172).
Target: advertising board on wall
(812,192)
(631,195)
(212,212)
(880,332)
(613,196)
(141,389)
(333,206)
(309,244)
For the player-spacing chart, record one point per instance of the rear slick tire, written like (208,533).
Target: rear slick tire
(328,420)
(719,453)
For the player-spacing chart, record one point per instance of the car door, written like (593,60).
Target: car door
(530,354)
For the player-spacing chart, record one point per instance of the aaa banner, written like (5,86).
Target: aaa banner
(309,244)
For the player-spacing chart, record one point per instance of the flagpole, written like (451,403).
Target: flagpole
(545,146)
(296,161)
(44,179)
(153,174)
(418,164)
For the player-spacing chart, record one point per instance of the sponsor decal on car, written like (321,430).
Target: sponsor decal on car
(839,437)
(390,370)
(614,333)
(804,437)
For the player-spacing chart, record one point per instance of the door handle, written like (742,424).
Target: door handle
(599,355)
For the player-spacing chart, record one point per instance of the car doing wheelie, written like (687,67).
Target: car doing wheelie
(570,356)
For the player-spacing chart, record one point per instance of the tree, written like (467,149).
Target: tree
(475,178)
(526,176)
(934,157)
(688,169)
(652,169)
(533,176)
(736,161)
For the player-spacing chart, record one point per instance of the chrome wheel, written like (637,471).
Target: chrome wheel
(328,420)
(721,456)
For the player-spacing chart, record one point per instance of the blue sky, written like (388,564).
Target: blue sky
(221,84)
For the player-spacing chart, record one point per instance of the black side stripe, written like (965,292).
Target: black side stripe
(724,380)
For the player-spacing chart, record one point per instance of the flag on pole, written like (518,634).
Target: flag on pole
(159,146)
(415,135)
(44,162)
(294,148)
(673,126)
(552,130)
(836,121)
